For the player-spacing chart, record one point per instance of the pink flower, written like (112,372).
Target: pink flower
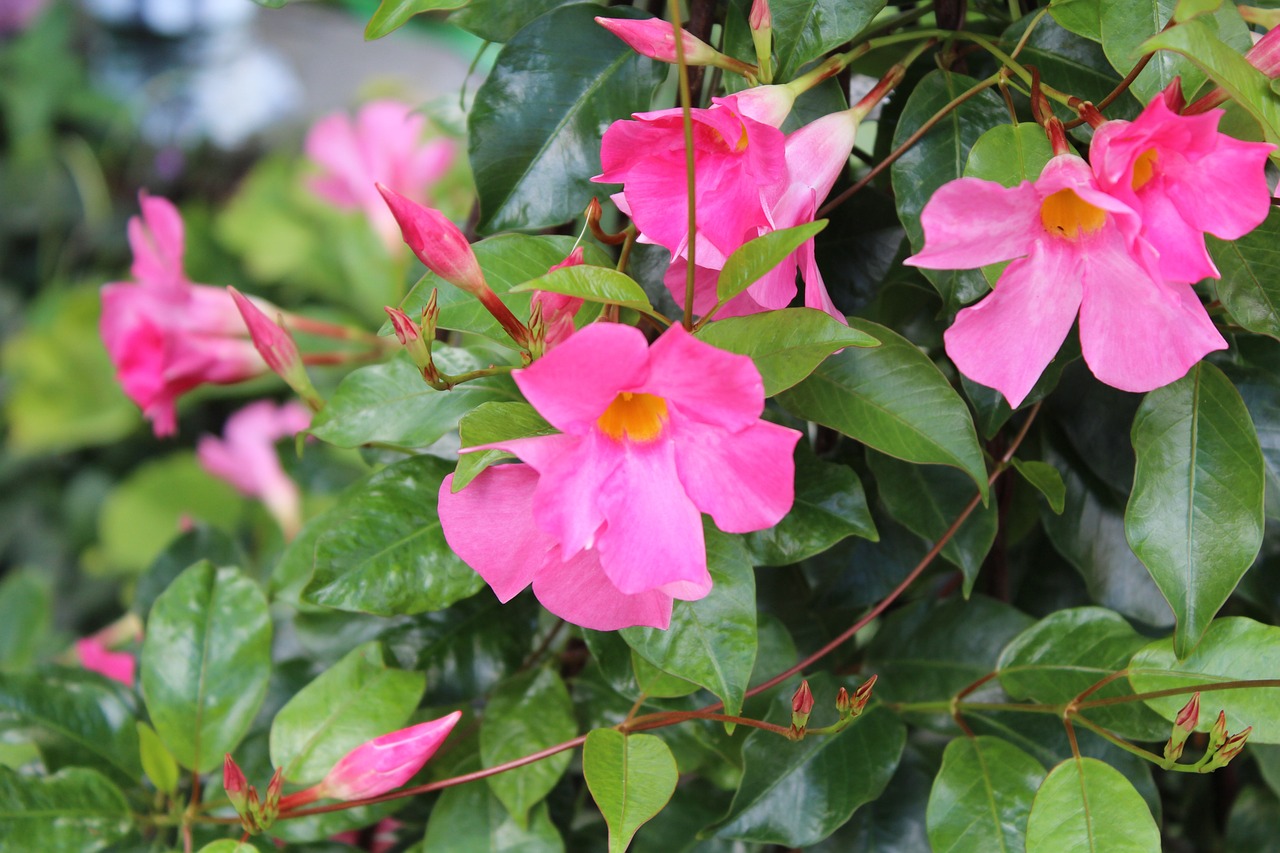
(246,457)
(96,657)
(378,766)
(16,15)
(1184,179)
(559,310)
(164,334)
(605,519)
(1076,249)
(383,145)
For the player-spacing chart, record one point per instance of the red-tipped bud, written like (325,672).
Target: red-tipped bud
(761,20)
(1229,749)
(844,705)
(387,762)
(553,313)
(592,214)
(1183,725)
(234,783)
(1265,55)
(271,806)
(406,330)
(862,695)
(437,242)
(1218,734)
(801,706)
(655,38)
(270,338)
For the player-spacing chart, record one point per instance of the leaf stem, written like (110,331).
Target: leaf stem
(673,11)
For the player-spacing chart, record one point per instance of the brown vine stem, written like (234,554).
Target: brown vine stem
(1121,88)
(1181,691)
(687,115)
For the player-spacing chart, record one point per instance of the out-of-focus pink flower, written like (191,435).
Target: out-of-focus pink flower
(246,457)
(1076,249)
(1184,179)
(16,15)
(384,836)
(378,766)
(164,334)
(384,145)
(558,310)
(96,657)
(605,519)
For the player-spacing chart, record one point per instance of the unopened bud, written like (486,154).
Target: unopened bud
(234,783)
(656,39)
(271,806)
(407,332)
(1230,749)
(1183,725)
(592,214)
(844,705)
(861,696)
(437,242)
(274,343)
(761,21)
(801,706)
(1218,734)
(252,808)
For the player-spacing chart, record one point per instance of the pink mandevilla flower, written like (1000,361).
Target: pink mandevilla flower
(1076,249)
(246,457)
(1184,179)
(164,334)
(604,519)
(384,144)
(96,657)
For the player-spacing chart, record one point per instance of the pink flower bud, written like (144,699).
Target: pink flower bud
(271,807)
(655,38)
(96,657)
(437,242)
(1218,734)
(1233,745)
(406,329)
(801,706)
(862,695)
(273,343)
(387,762)
(237,788)
(1189,715)
(1265,55)
(761,18)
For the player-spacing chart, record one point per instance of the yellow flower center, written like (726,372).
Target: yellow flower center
(638,416)
(1144,168)
(1065,214)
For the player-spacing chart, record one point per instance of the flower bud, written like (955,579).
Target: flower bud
(844,705)
(437,242)
(761,21)
(409,335)
(1218,734)
(1183,725)
(801,706)
(553,313)
(1229,749)
(861,696)
(387,762)
(274,343)
(271,807)
(656,39)
(234,783)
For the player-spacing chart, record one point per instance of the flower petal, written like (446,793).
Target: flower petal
(578,591)
(1226,192)
(705,383)
(744,480)
(572,385)
(970,222)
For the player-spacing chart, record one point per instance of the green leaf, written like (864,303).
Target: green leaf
(81,718)
(205,663)
(982,796)
(1009,154)
(530,712)
(470,819)
(391,403)
(356,700)
(74,809)
(712,641)
(26,615)
(391,15)
(490,422)
(894,399)
(796,793)
(631,777)
(785,345)
(1046,479)
(533,166)
(592,283)
(1250,284)
(806,29)
(384,552)
(656,683)
(927,500)
(230,845)
(1069,651)
(157,761)
(1075,64)
(1195,515)
(1233,649)
(1188,9)
(498,20)
(937,158)
(829,506)
(1125,26)
(1082,17)
(1086,806)
(1249,87)
(754,258)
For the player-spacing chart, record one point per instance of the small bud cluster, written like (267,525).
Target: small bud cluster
(255,815)
(1221,747)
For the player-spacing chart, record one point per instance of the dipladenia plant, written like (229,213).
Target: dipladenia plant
(849,425)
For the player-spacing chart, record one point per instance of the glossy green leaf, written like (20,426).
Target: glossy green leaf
(937,158)
(894,822)
(527,713)
(1125,26)
(1009,154)
(82,718)
(631,777)
(750,261)
(712,641)
(658,684)
(1070,651)
(490,422)
(981,797)
(356,700)
(1195,515)
(894,399)
(797,793)
(592,283)
(1075,64)
(1250,284)
(228,845)
(1082,17)
(205,663)
(391,404)
(1225,66)
(498,20)
(383,551)
(927,500)
(1087,806)
(1188,9)
(785,345)
(829,506)
(806,29)
(157,761)
(391,15)
(26,615)
(533,167)
(1046,479)
(470,819)
(75,809)
(1233,649)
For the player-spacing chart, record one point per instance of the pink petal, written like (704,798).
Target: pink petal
(704,286)
(579,592)
(818,152)
(1006,340)
(706,384)
(766,104)
(572,385)
(970,223)
(1137,332)
(566,503)
(489,525)
(1226,193)
(1183,254)
(744,480)
(96,657)
(157,242)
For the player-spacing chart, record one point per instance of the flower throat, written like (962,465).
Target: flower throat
(637,416)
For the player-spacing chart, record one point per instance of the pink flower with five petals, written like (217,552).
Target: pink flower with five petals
(605,519)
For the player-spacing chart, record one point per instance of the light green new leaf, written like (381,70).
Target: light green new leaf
(157,761)
(391,15)
(1195,515)
(631,777)
(490,422)
(1086,806)
(592,283)
(750,261)
(981,797)
(205,663)
(74,809)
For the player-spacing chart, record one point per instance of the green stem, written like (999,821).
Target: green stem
(673,12)
(1180,691)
